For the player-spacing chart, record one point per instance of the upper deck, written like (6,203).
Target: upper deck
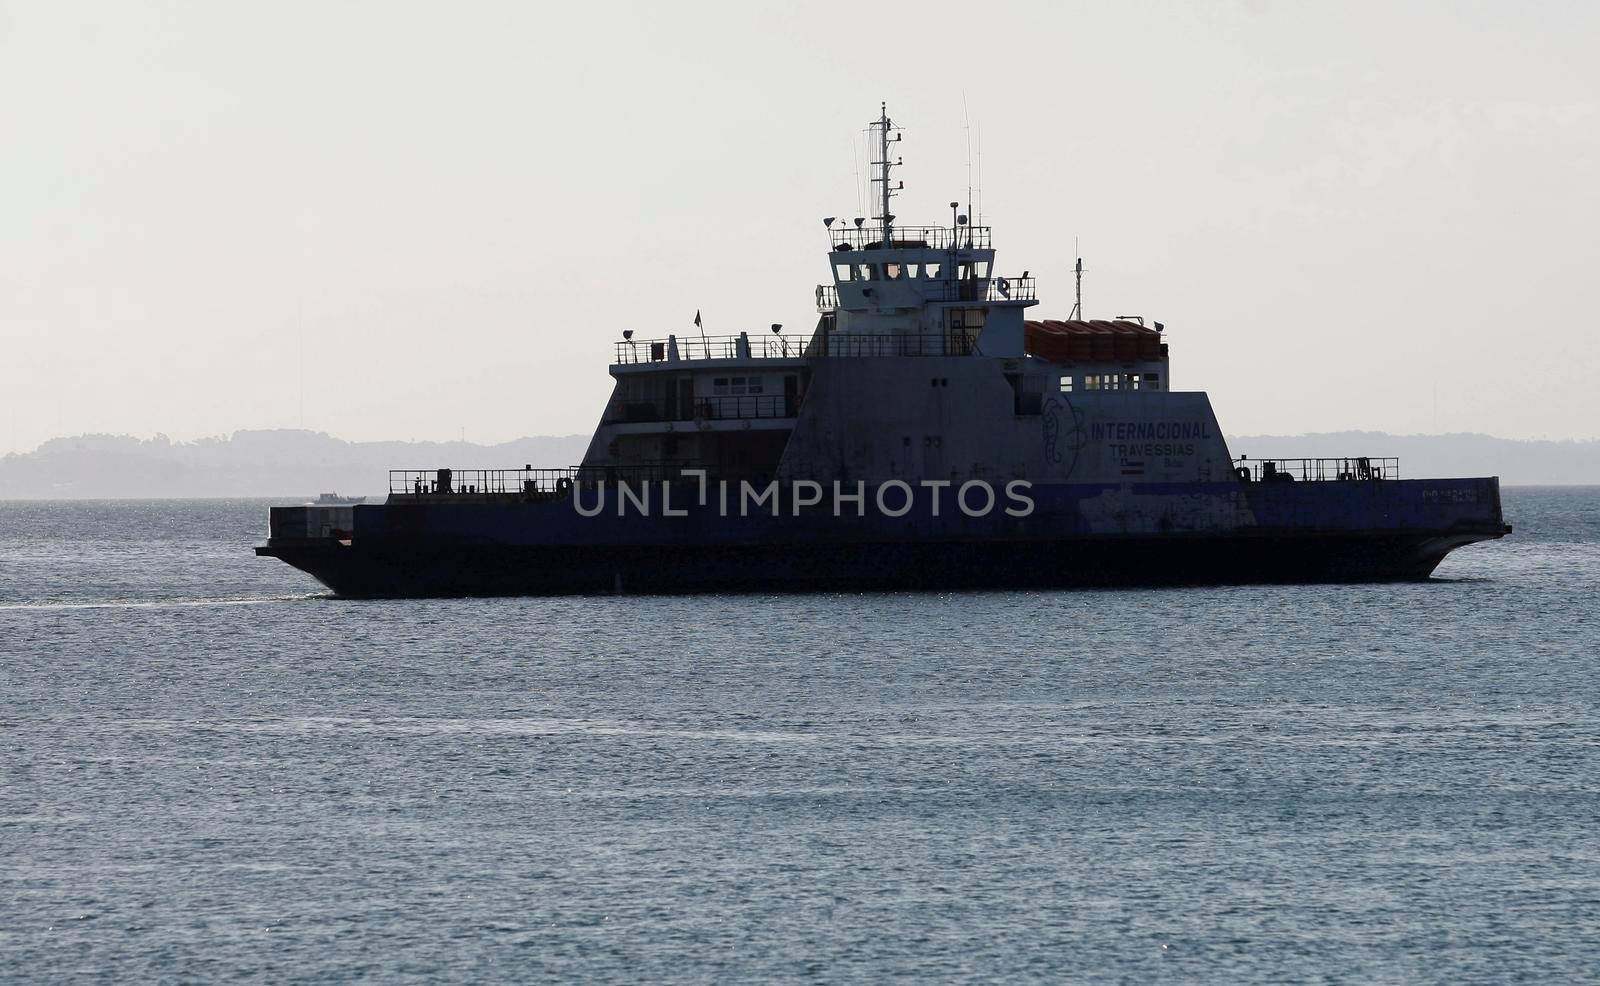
(844,236)
(657,353)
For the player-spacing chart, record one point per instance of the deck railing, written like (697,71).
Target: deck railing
(777,347)
(973,289)
(703,409)
(870,237)
(1316,470)
(928,344)
(692,347)
(753,406)
(418,484)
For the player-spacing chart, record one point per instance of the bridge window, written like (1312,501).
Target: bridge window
(892,271)
(911,269)
(864,272)
(737,386)
(1066,385)
(842,271)
(981,268)
(932,271)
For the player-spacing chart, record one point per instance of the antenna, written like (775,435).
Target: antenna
(883,125)
(968,121)
(855,164)
(1077,308)
(300,337)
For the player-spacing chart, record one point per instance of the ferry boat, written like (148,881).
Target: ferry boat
(931,432)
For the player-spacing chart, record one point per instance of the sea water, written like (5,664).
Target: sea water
(210,769)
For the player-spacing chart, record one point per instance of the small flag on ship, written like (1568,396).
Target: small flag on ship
(697,324)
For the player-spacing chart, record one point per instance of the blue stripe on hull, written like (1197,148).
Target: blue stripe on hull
(407,571)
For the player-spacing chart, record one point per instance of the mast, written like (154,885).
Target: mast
(1077,308)
(883,125)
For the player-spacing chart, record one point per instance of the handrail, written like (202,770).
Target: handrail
(415,482)
(845,237)
(1359,468)
(742,346)
(823,344)
(749,406)
(419,484)
(994,288)
(926,344)
(729,408)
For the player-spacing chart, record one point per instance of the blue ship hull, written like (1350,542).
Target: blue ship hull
(1076,535)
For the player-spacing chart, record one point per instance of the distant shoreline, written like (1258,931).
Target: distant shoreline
(241,465)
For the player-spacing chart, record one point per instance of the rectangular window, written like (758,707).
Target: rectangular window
(863,272)
(1152,381)
(1091,381)
(1133,381)
(981,268)
(842,271)
(1066,385)
(1110,381)
(911,269)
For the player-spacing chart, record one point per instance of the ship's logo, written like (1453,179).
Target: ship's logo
(1064,434)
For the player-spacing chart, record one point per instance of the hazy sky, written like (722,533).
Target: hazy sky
(1339,210)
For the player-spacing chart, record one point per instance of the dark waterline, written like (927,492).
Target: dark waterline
(210,769)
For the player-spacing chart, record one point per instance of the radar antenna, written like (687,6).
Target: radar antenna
(884,128)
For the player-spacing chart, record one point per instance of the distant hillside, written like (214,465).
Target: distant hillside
(287,462)
(293,463)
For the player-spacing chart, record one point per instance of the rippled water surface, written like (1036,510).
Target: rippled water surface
(209,769)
